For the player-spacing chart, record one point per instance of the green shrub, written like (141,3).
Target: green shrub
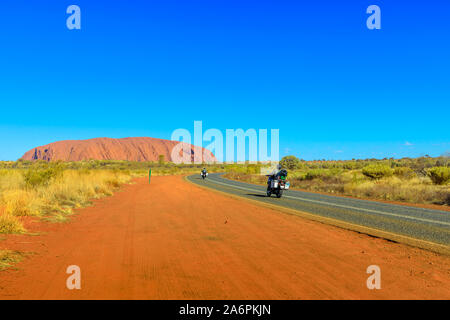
(253,169)
(350,165)
(315,174)
(41,177)
(404,172)
(439,175)
(290,162)
(377,171)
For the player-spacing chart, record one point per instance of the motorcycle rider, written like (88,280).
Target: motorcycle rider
(277,174)
(204,172)
(274,174)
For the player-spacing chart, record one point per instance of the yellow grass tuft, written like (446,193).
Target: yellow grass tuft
(19,202)
(10,224)
(55,198)
(8,258)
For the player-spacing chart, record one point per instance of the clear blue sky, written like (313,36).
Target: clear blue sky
(335,89)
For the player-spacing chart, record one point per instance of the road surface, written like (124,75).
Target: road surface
(418,223)
(174,240)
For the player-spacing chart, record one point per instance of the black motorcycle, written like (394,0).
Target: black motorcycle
(204,174)
(277,183)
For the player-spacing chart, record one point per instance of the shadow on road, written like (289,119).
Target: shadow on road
(257,195)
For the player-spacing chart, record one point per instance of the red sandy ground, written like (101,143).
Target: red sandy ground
(174,240)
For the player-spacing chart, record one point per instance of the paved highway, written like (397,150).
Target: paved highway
(418,223)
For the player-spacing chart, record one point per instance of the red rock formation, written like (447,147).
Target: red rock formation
(131,149)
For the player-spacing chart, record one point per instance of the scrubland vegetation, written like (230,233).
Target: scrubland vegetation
(423,180)
(52,190)
(134,168)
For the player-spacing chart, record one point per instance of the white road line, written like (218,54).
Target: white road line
(342,206)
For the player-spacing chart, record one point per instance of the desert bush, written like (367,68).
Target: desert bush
(377,171)
(290,162)
(10,224)
(51,192)
(19,202)
(439,175)
(41,177)
(253,169)
(10,179)
(161,159)
(314,174)
(404,172)
(351,165)
(412,190)
(328,175)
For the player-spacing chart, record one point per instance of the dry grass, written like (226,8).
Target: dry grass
(55,197)
(419,190)
(8,258)
(52,190)
(10,224)
(415,190)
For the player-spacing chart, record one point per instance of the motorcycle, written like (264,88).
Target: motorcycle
(204,174)
(277,183)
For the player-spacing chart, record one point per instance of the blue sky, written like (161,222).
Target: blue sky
(335,89)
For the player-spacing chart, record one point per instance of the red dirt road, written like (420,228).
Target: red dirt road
(173,240)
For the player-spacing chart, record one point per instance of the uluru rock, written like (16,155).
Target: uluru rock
(131,149)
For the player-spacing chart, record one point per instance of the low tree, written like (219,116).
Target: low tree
(439,175)
(377,171)
(161,159)
(404,172)
(290,162)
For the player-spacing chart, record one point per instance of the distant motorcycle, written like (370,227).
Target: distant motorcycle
(277,183)
(204,174)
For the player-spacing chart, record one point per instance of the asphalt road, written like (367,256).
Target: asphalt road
(419,223)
